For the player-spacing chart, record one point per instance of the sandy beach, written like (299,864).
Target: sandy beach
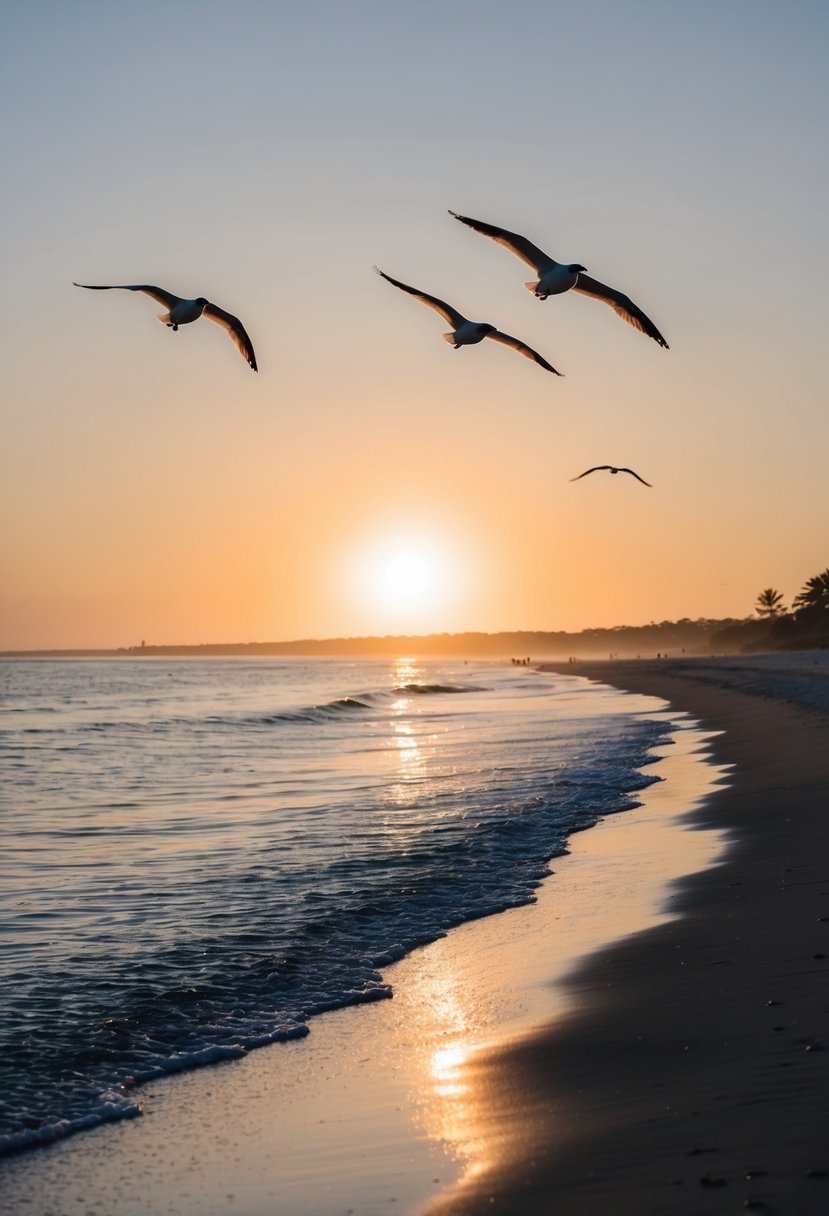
(695,1076)
(651,1036)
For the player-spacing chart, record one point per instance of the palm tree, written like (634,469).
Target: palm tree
(770,604)
(815,593)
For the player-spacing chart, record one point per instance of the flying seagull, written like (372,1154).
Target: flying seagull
(465,332)
(556,277)
(182,312)
(611,469)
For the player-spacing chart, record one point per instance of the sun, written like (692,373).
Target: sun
(408,575)
(404,581)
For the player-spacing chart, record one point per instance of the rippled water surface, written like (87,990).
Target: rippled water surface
(201,855)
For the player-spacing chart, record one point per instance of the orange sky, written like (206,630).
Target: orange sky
(152,487)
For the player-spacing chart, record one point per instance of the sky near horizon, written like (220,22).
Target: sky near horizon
(370,479)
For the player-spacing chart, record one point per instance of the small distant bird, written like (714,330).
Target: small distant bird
(611,469)
(182,312)
(557,277)
(465,332)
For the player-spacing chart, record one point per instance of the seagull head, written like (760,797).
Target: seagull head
(574,268)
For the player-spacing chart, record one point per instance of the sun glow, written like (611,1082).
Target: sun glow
(408,575)
(407,582)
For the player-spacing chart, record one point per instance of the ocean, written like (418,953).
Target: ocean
(201,856)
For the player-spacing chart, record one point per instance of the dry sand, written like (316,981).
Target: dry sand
(668,1065)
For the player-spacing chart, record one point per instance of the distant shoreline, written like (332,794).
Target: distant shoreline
(620,641)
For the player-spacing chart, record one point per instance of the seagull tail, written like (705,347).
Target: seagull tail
(164,318)
(532,286)
(451,339)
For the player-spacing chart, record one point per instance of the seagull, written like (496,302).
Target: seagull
(557,277)
(465,332)
(611,469)
(182,312)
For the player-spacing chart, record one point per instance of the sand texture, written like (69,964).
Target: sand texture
(694,1075)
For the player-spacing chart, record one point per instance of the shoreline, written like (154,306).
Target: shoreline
(369,1109)
(695,1078)
(637,1067)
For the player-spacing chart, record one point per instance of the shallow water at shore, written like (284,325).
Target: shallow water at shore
(201,856)
(387,1105)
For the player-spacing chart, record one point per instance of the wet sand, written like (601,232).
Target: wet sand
(693,1074)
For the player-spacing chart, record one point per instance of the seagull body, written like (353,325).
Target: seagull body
(182,312)
(554,277)
(465,332)
(611,469)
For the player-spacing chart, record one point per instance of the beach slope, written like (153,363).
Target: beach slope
(692,1075)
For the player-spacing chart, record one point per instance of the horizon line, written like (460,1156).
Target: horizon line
(363,640)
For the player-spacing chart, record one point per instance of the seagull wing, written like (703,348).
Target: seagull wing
(448,313)
(621,304)
(519,245)
(236,330)
(595,469)
(523,349)
(158,293)
(636,475)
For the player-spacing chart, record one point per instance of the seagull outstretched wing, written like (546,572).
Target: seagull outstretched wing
(517,244)
(158,293)
(595,469)
(448,313)
(522,349)
(235,329)
(636,475)
(621,304)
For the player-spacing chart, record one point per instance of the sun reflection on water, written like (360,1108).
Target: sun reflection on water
(405,741)
(406,671)
(441,1017)
(448,1030)
(445,1068)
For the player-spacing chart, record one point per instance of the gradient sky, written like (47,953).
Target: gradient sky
(267,155)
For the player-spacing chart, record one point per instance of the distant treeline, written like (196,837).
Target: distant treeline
(805,629)
(621,641)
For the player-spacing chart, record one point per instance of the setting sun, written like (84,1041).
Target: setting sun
(408,575)
(404,581)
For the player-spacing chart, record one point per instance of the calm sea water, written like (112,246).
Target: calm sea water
(200,856)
